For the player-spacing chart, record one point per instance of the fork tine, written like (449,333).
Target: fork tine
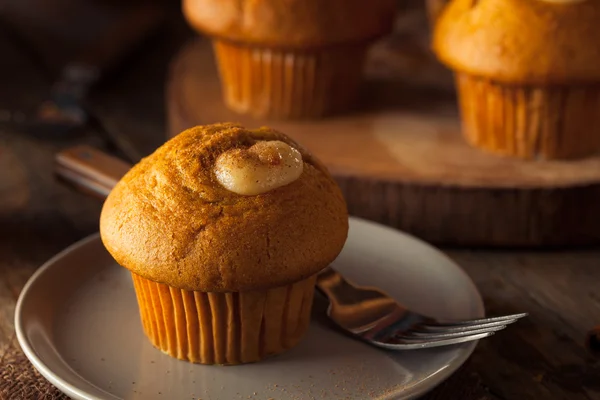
(407,344)
(461,328)
(447,335)
(479,321)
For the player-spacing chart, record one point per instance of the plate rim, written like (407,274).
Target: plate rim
(22,337)
(434,380)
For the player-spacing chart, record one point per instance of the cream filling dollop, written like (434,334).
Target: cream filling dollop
(260,168)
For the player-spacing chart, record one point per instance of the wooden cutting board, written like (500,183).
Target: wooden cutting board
(400,158)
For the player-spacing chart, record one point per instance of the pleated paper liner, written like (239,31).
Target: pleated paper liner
(530,122)
(224,328)
(290,84)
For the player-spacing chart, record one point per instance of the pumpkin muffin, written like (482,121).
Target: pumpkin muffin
(290,59)
(224,230)
(527,74)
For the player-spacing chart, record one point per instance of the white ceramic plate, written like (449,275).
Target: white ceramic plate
(77,321)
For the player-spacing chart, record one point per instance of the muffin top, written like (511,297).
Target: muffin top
(521,41)
(220,208)
(291,23)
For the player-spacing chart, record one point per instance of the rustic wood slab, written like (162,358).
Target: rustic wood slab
(400,159)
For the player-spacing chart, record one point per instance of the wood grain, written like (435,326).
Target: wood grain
(544,356)
(408,166)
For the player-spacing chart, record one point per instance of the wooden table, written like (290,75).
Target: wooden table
(542,357)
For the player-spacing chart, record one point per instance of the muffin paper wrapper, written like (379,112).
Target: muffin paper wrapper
(224,328)
(289,84)
(530,122)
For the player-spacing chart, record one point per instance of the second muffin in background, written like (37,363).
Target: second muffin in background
(527,73)
(224,230)
(291,59)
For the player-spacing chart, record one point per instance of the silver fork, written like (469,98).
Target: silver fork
(376,318)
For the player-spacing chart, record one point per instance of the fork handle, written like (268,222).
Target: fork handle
(329,282)
(90,170)
(340,292)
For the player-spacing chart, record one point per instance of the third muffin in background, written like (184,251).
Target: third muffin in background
(527,74)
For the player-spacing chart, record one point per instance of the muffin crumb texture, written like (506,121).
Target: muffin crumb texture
(524,42)
(169,219)
(292,24)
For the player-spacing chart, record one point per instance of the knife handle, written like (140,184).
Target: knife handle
(90,170)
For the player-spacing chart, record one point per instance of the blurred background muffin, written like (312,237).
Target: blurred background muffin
(527,74)
(292,59)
